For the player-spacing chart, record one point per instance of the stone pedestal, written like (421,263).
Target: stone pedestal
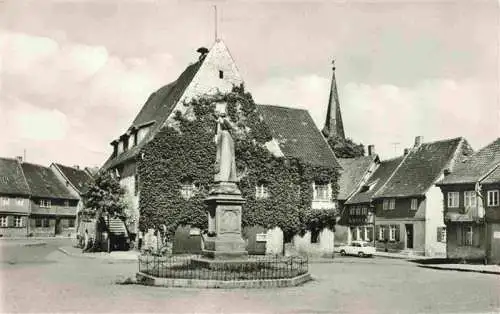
(224,223)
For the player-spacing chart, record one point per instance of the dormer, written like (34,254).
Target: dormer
(115,147)
(142,131)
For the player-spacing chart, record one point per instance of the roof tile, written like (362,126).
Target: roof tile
(12,180)
(353,170)
(43,182)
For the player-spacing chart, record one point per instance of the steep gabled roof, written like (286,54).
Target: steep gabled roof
(297,135)
(156,110)
(420,169)
(353,171)
(43,182)
(77,178)
(493,177)
(376,181)
(476,166)
(12,179)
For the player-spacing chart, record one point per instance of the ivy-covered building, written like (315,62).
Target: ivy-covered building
(288,173)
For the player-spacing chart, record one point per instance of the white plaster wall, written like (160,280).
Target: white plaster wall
(274,244)
(132,202)
(207,81)
(325,245)
(326,241)
(434,219)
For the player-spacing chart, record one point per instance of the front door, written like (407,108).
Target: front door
(58,226)
(409,236)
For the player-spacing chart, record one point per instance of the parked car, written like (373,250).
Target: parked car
(359,248)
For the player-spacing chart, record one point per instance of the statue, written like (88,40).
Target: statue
(225,164)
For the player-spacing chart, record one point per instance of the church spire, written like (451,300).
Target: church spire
(333,123)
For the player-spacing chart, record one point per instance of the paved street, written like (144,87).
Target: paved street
(42,279)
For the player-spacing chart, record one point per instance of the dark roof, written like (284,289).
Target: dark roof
(420,169)
(157,109)
(43,182)
(493,177)
(297,135)
(476,166)
(77,177)
(353,170)
(383,172)
(12,180)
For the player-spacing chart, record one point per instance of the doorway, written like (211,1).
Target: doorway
(409,236)
(58,226)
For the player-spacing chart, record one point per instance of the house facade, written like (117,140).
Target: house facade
(359,211)
(409,207)
(14,199)
(355,223)
(53,206)
(294,136)
(472,207)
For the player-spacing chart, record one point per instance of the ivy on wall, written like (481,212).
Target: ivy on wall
(184,151)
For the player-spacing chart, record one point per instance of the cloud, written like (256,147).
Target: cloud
(386,114)
(80,96)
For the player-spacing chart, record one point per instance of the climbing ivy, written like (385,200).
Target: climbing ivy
(184,151)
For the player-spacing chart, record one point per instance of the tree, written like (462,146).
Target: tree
(346,148)
(104,197)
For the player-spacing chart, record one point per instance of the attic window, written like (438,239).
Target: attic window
(221,74)
(4,179)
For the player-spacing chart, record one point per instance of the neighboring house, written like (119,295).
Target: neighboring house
(472,207)
(355,173)
(294,134)
(53,205)
(14,199)
(358,211)
(214,72)
(409,207)
(76,180)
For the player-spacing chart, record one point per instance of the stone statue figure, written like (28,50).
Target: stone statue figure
(225,165)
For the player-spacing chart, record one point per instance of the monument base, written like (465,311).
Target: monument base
(225,247)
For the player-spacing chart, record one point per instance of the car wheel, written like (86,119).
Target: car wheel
(342,253)
(361,254)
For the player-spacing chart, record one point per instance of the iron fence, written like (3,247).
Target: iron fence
(253,268)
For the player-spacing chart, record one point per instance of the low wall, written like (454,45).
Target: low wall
(13,232)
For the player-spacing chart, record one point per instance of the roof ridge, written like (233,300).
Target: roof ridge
(444,140)
(391,159)
(284,107)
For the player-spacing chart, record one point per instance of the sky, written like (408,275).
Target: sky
(73,74)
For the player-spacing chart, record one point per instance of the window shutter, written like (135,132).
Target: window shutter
(439,234)
(386,232)
(377,232)
(397,233)
(10,221)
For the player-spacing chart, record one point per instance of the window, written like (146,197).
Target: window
(221,74)
(38,222)
(45,203)
(71,222)
(261,192)
(453,199)
(389,204)
(470,199)
(314,236)
(392,233)
(364,211)
(3,221)
(493,198)
(381,232)
(46,222)
(66,203)
(5,201)
(18,221)
(414,204)
(441,234)
(187,190)
(321,192)
(467,234)
(20,202)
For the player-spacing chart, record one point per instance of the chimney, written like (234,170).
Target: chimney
(418,140)
(371,150)
(19,158)
(203,53)
(406,151)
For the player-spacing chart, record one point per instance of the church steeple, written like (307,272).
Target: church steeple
(333,123)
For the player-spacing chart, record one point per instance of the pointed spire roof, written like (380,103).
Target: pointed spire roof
(333,124)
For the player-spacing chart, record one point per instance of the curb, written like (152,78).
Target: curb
(462,270)
(30,244)
(108,259)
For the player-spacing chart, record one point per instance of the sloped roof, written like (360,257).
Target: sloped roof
(476,166)
(77,177)
(493,177)
(353,170)
(297,135)
(12,179)
(157,109)
(420,169)
(376,181)
(43,182)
